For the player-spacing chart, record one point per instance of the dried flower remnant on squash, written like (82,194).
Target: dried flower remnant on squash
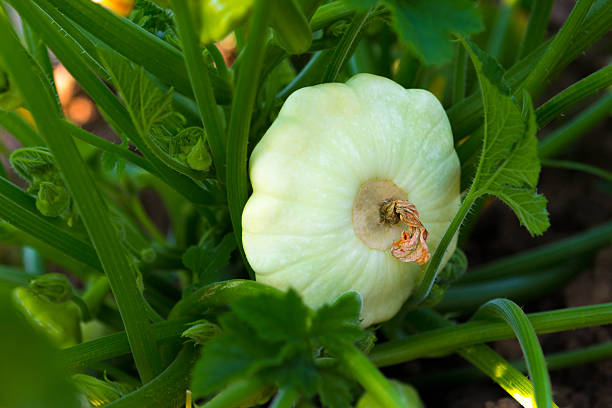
(412,247)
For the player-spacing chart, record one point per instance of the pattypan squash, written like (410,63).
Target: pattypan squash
(353,187)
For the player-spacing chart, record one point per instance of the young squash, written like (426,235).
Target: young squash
(353,187)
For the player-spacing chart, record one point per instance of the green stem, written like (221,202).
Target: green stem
(556,361)
(466,116)
(20,129)
(422,290)
(39,51)
(309,75)
(237,393)
(512,314)
(482,357)
(94,213)
(499,30)
(536,80)
(96,292)
(500,371)
(110,147)
(285,398)
(347,45)
(219,61)
(141,215)
(19,209)
(536,28)
(578,91)
(459,74)
(91,55)
(543,256)
(201,85)
(368,376)
(157,56)
(446,340)
(571,165)
(70,53)
(240,121)
(565,136)
(468,297)
(167,389)
(115,345)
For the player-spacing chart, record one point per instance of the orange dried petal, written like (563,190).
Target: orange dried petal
(412,247)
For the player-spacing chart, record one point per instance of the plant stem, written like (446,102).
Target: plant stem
(578,91)
(136,44)
(459,74)
(481,356)
(500,371)
(446,340)
(167,389)
(240,121)
(512,314)
(536,28)
(19,209)
(20,129)
(200,83)
(94,213)
(285,398)
(571,165)
(368,376)
(116,344)
(95,294)
(499,31)
(543,256)
(70,53)
(237,393)
(466,116)
(554,361)
(468,297)
(347,45)
(565,136)
(427,281)
(110,147)
(536,80)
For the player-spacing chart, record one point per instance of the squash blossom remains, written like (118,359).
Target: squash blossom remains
(353,187)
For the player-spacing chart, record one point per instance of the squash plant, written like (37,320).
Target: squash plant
(320,189)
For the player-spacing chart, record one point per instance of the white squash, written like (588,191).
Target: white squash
(320,176)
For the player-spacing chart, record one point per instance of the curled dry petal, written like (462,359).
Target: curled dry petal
(412,247)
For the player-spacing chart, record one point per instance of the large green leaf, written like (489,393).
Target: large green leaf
(509,166)
(426,25)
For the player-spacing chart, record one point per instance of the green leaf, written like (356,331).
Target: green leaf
(275,318)
(110,162)
(150,109)
(426,25)
(338,323)
(275,337)
(234,354)
(509,166)
(146,103)
(204,260)
(335,389)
